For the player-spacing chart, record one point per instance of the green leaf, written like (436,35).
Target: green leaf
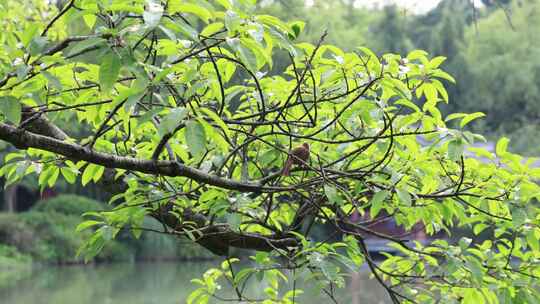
(90,20)
(217,120)
(256,49)
(533,241)
(245,54)
(455,149)
(478,228)
(454,116)
(481,152)
(430,92)
(22,71)
(216,136)
(376,202)
(52,80)
(232,21)
(436,62)
(404,196)
(10,108)
(440,88)
(132,100)
(188,31)
(109,71)
(332,194)
(234,220)
(274,22)
(108,232)
(87,224)
(470,117)
(47,175)
(193,296)
(418,54)
(37,45)
(98,173)
(29,33)
(473,296)
(87,175)
(69,174)
(501,146)
(195,138)
(55,172)
(86,44)
(197,10)
(211,29)
(297,27)
(148,115)
(225,3)
(172,120)
(92,172)
(444,75)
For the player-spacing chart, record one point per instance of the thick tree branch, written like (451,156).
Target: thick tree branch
(36,122)
(219,238)
(24,139)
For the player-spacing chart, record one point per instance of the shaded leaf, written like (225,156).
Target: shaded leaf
(376,202)
(109,71)
(171,121)
(195,138)
(10,108)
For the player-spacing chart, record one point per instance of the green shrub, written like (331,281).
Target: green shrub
(56,239)
(15,232)
(50,237)
(12,259)
(69,204)
(47,233)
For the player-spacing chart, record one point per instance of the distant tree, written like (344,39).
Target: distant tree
(441,31)
(389,33)
(504,67)
(347,25)
(169,133)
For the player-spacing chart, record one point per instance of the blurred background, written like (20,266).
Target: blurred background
(492,49)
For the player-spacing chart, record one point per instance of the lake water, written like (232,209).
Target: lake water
(150,283)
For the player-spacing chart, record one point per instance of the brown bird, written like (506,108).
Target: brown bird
(297,156)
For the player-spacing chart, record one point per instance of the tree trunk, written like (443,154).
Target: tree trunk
(10,198)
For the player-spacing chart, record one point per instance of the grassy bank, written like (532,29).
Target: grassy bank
(46,234)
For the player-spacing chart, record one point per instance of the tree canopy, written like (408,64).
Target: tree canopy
(177,115)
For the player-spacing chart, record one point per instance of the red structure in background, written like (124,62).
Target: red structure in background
(48,193)
(385,224)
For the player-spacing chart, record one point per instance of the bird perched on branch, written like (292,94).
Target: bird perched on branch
(297,156)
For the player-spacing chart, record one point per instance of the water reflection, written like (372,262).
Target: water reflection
(149,283)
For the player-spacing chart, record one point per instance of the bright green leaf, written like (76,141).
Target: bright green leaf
(501,146)
(471,117)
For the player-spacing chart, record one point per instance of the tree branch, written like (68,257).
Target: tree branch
(24,139)
(219,238)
